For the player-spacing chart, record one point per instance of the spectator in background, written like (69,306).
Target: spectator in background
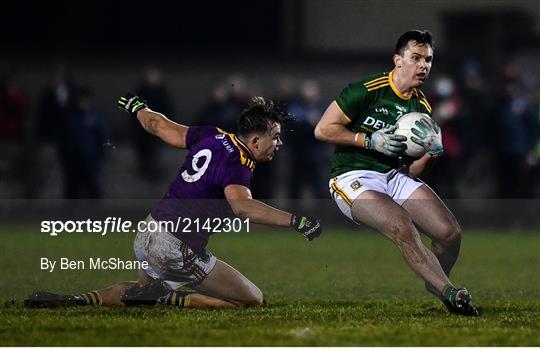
(225,103)
(307,154)
(533,87)
(13,109)
(478,127)
(215,107)
(534,161)
(13,112)
(447,110)
(54,105)
(153,90)
(285,92)
(477,109)
(518,125)
(82,148)
(238,97)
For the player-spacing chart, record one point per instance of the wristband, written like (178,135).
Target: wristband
(364,143)
(367,141)
(293,220)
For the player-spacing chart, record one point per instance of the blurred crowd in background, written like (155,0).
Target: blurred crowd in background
(64,64)
(491,134)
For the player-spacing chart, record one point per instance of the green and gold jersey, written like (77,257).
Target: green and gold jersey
(372,104)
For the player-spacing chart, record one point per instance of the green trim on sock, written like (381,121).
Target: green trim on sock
(449,292)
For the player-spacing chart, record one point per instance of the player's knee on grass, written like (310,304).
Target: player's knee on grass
(254,299)
(253,303)
(249,301)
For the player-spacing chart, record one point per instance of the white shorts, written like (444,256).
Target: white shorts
(170,259)
(346,187)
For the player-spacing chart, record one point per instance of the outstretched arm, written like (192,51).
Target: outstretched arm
(157,124)
(244,206)
(153,122)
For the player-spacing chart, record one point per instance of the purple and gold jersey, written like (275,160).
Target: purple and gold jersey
(215,160)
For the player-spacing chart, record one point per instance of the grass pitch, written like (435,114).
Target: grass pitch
(340,290)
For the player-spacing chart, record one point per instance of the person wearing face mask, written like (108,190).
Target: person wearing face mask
(373,182)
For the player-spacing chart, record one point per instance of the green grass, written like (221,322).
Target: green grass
(343,289)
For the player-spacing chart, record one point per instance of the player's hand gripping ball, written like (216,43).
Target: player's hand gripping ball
(387,142)
(423,135)
(310,227)
(131,103)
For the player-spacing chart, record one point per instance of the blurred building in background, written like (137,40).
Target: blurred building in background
(200,63)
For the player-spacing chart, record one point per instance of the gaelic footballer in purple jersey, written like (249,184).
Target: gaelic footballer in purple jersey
(214,181)
(215,160)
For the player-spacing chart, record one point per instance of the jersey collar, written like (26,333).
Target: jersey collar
(246,156)
(396,91)
(243,146)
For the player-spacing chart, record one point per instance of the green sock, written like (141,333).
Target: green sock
(449,292)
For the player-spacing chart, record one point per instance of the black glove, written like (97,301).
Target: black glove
(131,103)
(310,227)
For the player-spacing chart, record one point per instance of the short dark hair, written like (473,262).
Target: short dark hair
(259,116)
(420,36)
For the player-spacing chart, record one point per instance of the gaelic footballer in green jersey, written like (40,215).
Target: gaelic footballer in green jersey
(372,181)
(372,104)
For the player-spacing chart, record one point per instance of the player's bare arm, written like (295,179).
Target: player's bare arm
(159,125)
(243,205)
(153,122)
(420,166)
(331,128)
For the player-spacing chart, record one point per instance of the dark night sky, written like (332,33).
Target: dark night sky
(85,25)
